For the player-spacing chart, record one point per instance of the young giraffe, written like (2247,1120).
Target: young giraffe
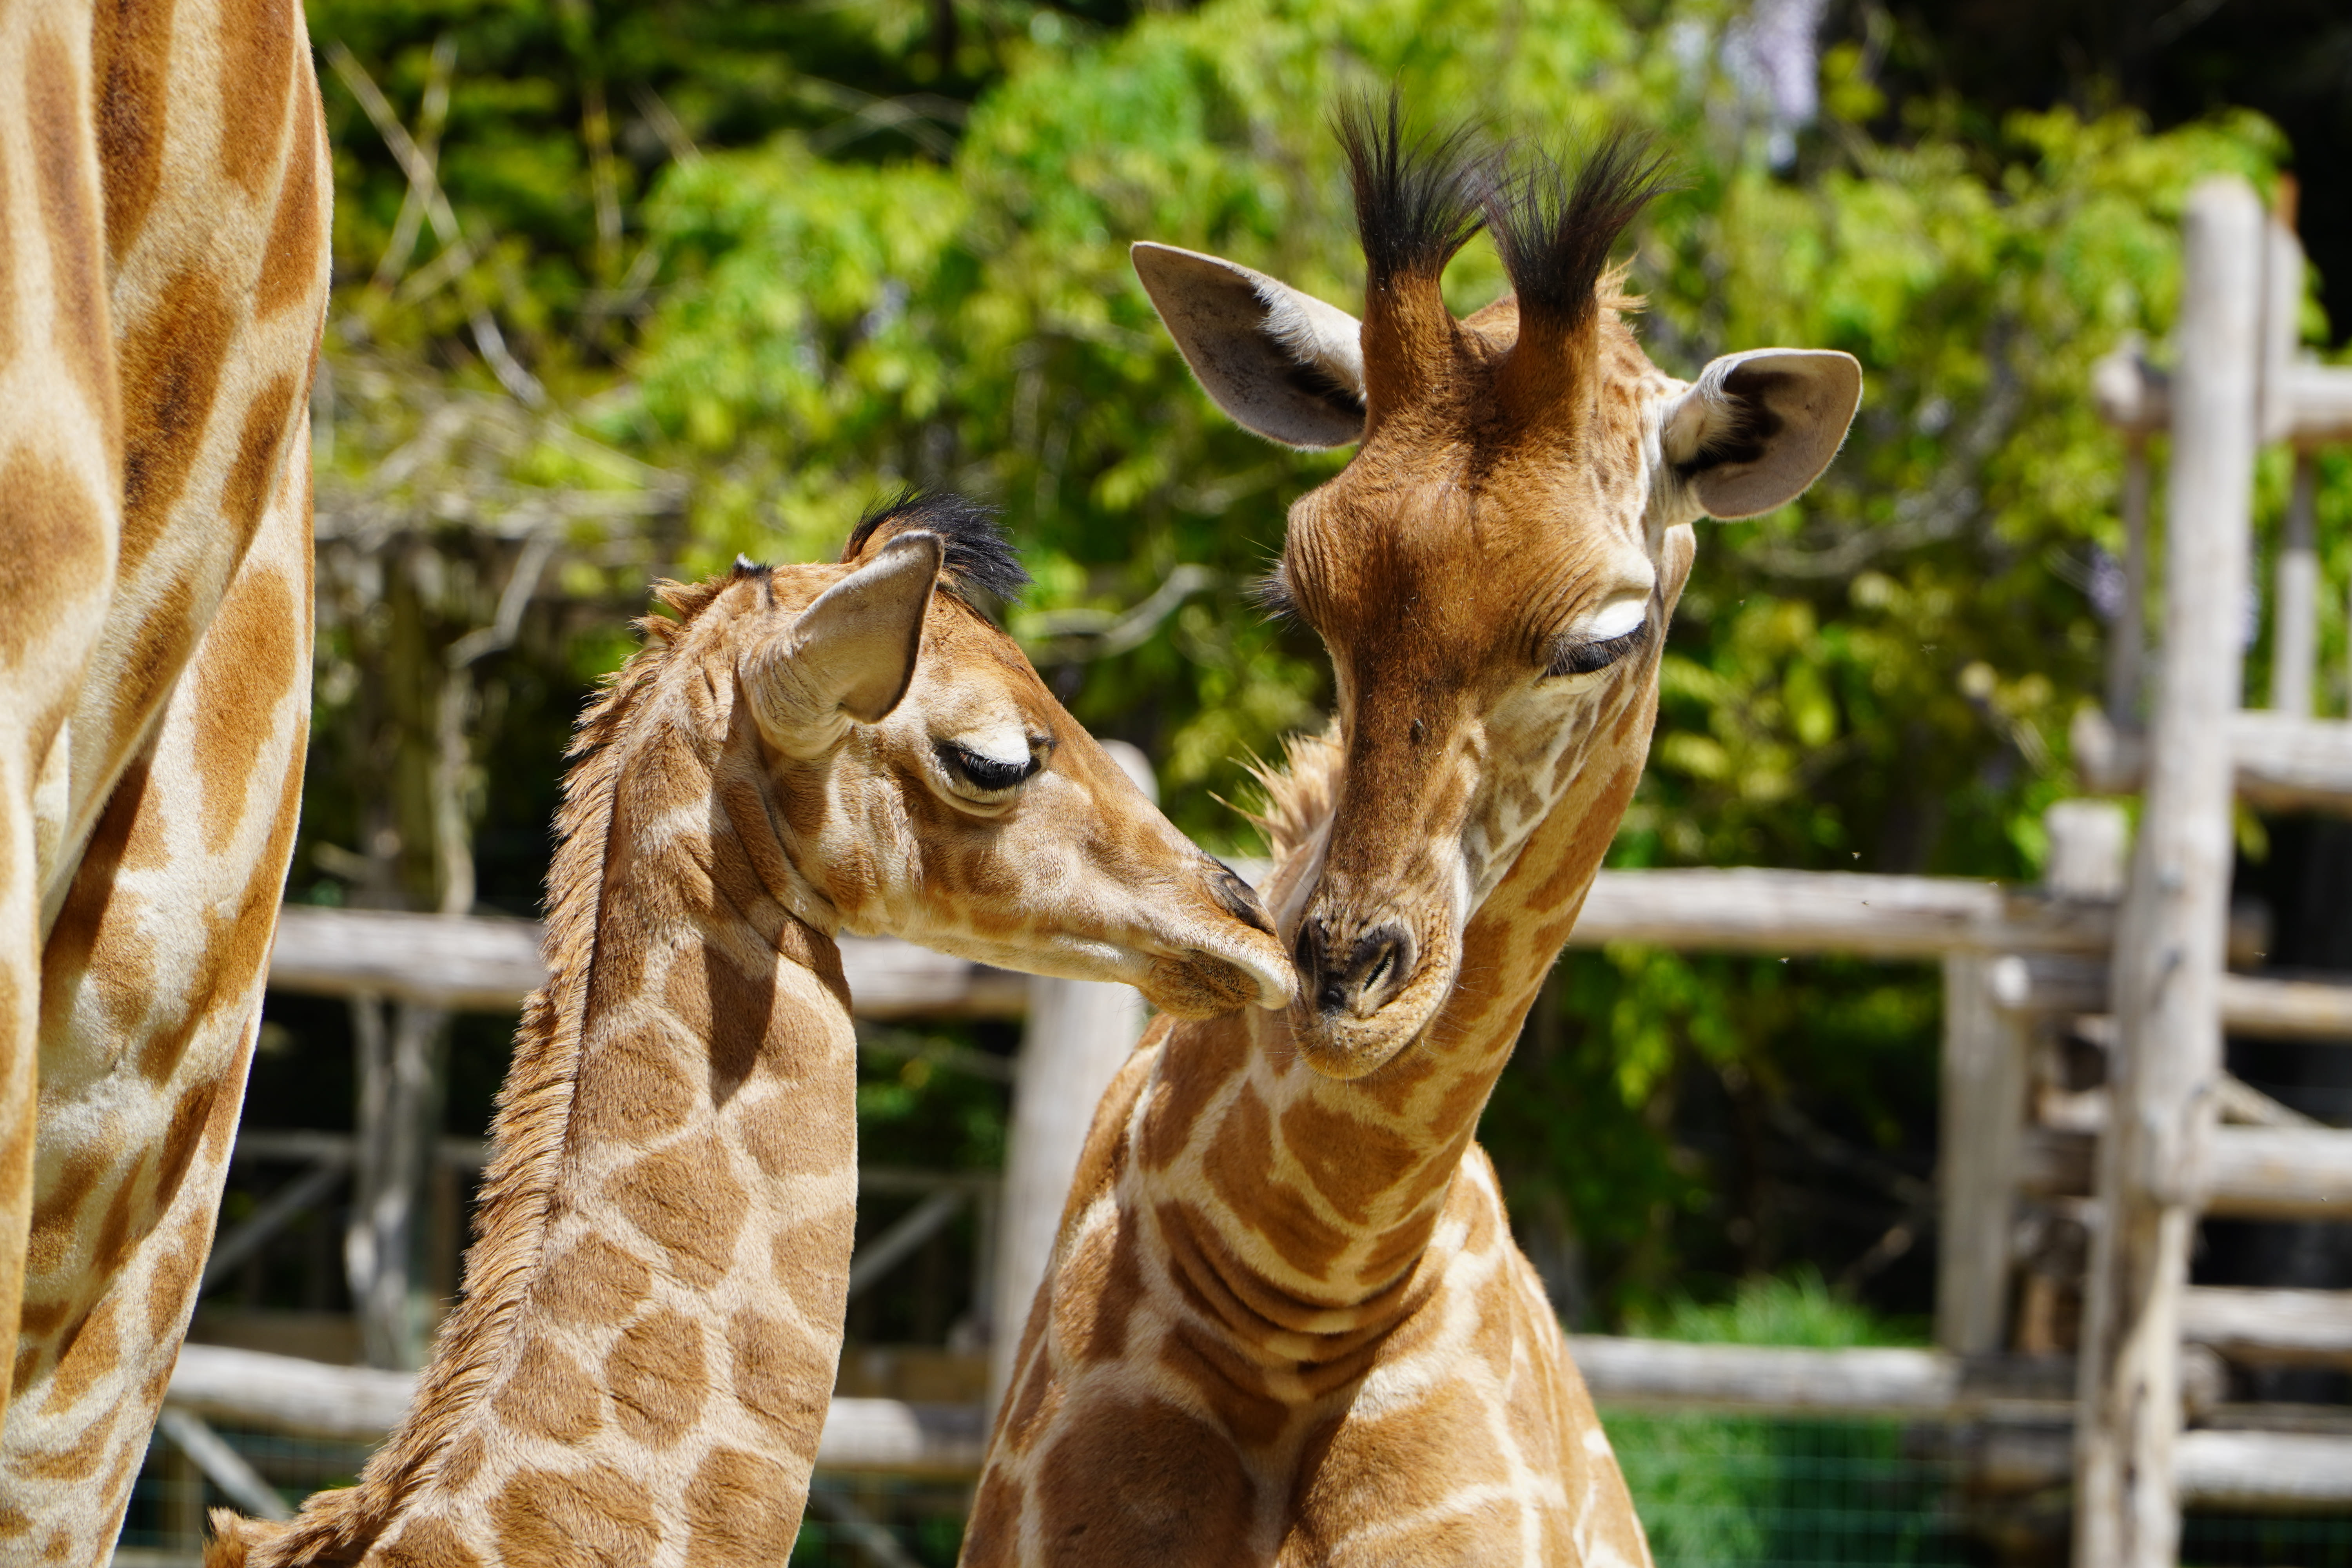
(1285,1323)
(164,257)
(639,1371)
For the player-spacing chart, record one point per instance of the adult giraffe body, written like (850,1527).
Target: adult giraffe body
(1285,1323)
(639,1370)
(165,191)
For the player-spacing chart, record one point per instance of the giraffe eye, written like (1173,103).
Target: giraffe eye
(980,775)
(1592,658)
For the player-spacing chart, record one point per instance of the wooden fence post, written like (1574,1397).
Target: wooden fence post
(1079,1033)
(2170,945)
(1983,1107)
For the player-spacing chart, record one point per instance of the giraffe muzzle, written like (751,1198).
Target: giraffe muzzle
(1355,978)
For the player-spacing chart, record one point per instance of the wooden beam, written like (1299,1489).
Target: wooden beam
(2287,1472)
(2281,761)
(2136,398)
(2250,1004)
(2279,1173)
(1751,909)
(490,963)
(354,1403)
(2171,945)
(2310,1328)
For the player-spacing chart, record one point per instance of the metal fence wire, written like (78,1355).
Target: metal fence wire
(1713,1491)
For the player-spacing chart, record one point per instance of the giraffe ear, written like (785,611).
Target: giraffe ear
(1283,363)
(1756,428)
(852,652)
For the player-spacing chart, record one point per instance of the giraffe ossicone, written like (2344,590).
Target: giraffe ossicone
(1285,1323)
(640,1368)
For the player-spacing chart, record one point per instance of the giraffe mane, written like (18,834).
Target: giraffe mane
(1297,795)
(534,1107)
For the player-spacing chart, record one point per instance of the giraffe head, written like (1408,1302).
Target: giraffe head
(1493,570)
(922,782)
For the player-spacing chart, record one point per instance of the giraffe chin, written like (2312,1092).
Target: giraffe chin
(1201,985)
(1346,1045)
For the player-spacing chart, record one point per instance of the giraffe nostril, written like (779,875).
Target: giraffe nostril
(1373,970)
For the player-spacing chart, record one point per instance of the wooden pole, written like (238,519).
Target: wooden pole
(2294,623)
(402,1082)
(1983,1111)
(2170,943)
(2127,638)
(1080,1033)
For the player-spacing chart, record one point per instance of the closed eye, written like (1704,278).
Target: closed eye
(1591,657)
(985,774)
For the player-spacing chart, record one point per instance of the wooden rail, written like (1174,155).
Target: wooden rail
(2307,1328)
(2250,1005)
(2280,761)
(2252,1173)
(357,1404)
(2251,1469)
(490,964)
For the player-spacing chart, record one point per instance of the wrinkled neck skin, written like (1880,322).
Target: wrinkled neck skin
(640,1367)
(1301,1211)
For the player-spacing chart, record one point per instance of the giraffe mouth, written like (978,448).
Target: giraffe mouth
(1366,1000)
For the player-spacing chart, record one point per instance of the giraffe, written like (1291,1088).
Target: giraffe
(639,1369)
(1285,1323)
(164,193)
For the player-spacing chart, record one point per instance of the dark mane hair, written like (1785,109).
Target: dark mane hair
(1417,198)
(1555,229)
(978,556)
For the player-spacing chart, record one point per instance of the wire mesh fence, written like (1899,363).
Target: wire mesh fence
(1759,1492)
(1768,1493)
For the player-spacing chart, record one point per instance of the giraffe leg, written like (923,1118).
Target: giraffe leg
(151,995)
(60,467)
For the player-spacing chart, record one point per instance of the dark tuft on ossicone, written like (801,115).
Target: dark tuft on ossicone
(978,556)
(1417,198)
(1555,227)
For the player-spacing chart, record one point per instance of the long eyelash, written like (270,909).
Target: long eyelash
(1271,595)
(984,772)
(1591,657)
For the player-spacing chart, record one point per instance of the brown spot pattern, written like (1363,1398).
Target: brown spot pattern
(251,658)
(1350,1161)
(598,1516)
(592,1284)
(55,536)
(633,1087)
(428,1543)
(737,1511)
(550,1395)
(92,1355)
(252,477)
(131,49)
(657,1377)
(170,363)
(778,1375)
(687,1201)
(70,213)
(1181,1498)
(256,40)
(290,264)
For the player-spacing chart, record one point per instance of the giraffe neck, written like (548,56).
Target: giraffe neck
(644,1353)
(1302,1209)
